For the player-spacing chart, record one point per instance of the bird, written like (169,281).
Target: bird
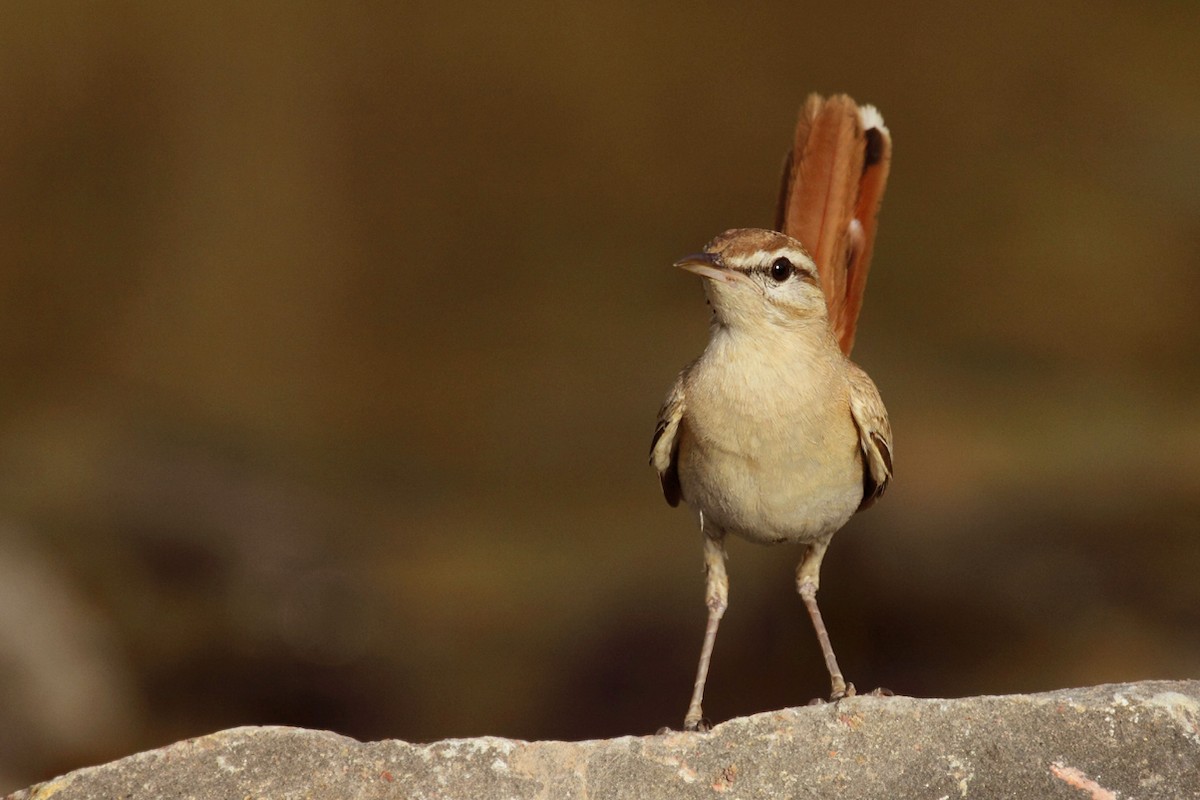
(773,434)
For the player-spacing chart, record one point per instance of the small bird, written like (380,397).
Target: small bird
(773,434)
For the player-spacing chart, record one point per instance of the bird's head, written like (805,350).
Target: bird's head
(755,278)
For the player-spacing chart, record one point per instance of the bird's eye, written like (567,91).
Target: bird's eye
(781,269)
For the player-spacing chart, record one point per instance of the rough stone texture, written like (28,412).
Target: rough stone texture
(1127,741)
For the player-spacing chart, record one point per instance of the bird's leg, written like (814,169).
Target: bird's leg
(808,578)
(716,597)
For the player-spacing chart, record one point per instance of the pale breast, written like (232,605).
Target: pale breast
(769,450)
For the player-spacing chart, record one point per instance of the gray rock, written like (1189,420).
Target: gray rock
(1137,740)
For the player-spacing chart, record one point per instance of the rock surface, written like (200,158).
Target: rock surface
(1119,741)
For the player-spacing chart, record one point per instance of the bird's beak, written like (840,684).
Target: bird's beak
(708,265)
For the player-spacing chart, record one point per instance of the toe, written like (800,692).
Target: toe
(849,691)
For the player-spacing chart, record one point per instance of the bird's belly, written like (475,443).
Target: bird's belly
(774,483)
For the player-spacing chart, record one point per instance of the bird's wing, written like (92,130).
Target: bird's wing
(664,448)
(833,182)
(874,435)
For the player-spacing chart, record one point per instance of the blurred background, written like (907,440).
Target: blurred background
(332,338)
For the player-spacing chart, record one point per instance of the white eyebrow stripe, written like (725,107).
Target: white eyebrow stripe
(798,257)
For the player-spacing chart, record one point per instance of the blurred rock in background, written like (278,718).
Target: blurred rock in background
(331,341)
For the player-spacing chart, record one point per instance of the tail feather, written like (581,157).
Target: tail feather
(833,183)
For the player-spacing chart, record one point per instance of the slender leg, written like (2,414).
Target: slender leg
(716,597)
(808,578)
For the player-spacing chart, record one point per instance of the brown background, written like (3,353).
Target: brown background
(331,340)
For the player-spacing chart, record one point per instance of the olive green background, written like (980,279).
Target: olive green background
(332,337)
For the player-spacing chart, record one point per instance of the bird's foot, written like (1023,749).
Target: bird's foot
(847,690)
(881,692)
(842,693)
(697,725)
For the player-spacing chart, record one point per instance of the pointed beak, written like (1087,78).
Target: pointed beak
(707,265)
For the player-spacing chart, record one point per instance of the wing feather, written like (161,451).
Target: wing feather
(874,435)
(664,448)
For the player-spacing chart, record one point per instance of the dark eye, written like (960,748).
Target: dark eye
(781,269)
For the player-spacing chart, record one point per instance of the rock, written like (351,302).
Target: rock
(1119,741)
